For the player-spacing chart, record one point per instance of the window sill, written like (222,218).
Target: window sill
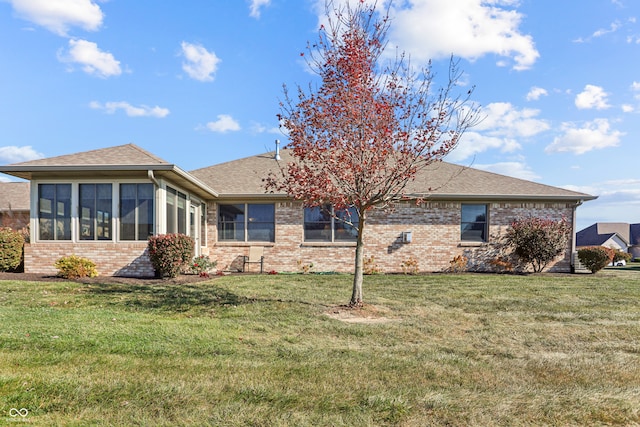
(471,244)
(327,244)
(244,244)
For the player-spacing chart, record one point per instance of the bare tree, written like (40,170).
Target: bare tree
(359,138)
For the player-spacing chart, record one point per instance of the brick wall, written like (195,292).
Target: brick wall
(122,259)
(18,220)
(435,227)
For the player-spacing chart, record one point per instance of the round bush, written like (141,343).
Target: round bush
(595,258)
(11,249)
(170,253)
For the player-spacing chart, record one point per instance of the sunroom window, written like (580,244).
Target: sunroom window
(176,211)
(54,211)
(96,216)
(136,211)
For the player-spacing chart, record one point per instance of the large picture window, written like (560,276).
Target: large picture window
(136,211)
(473,223)
(246,222)
(323,224)
(96,206)
(54,211)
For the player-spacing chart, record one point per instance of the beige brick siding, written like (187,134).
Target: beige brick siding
(122,259)
(435,227)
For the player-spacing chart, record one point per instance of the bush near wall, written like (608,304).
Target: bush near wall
(170,253)
(75,267)
(11,249)
(595,258)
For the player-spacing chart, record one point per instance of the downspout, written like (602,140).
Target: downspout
(152,178)
(573,234)
(156,214)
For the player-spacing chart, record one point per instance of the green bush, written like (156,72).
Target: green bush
(595,258)
(202,265)
(75,267)
(170,253)
(11,249)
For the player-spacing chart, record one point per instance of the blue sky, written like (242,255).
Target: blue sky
(198,82)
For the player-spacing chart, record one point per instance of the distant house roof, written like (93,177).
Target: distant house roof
(634,231)
(590,236)
(14,196)
(599,233)
(108,162)
(441,180)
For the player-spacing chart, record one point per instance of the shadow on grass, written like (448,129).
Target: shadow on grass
(169,297)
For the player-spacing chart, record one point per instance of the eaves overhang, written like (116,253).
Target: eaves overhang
(168,171)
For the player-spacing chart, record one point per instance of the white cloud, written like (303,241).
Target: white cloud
(130,110)
(628,108)
(593,135)
(617,201)
(225,123)
(58,16)
(433,29)
(502,118)
(255,7)
(514,169)
(91,58)
(603,31)
(260,128)
(535,93)
(14,154)
(502,127)
(592,97)
(199,63)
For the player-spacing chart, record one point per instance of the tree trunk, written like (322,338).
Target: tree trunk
(358,275)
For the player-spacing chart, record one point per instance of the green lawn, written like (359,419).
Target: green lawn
(456,350)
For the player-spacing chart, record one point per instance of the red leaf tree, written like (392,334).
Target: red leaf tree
(364,133)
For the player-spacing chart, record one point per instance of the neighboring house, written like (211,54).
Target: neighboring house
(14,205)
(615,235)
(104,204)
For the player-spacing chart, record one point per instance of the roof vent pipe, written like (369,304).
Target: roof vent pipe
(277,157)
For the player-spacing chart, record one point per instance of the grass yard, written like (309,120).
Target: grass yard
(455,350)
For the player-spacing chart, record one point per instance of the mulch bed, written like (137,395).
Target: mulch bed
(35,277)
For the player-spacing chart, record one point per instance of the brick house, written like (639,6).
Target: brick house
(104,204)
(14,205)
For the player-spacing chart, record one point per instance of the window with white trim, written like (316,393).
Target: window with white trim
(136,211)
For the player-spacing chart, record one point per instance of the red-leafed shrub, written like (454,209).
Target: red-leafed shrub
(595,258)
(537,241)
(170,253)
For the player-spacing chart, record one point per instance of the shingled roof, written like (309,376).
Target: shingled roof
(441,180)
(108,162)
(14,196)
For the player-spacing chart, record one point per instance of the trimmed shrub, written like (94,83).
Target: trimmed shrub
(537,241)
(170,253)
(75,267)
(619,255)
(595,258)
(11,249)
